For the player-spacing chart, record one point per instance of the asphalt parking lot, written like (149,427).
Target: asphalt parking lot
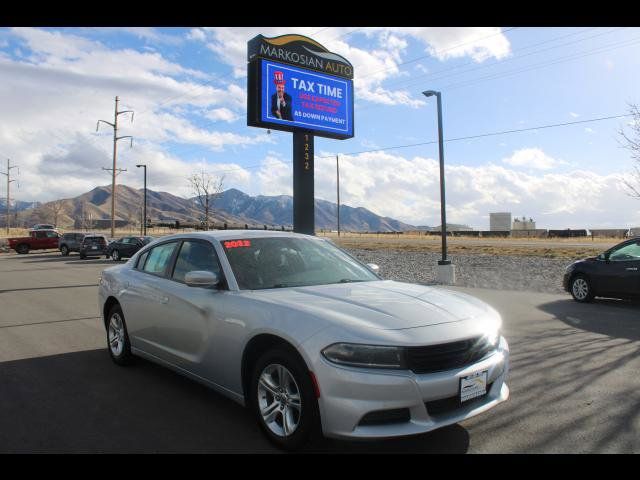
(574,379)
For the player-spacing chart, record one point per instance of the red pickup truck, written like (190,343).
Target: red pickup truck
(37,240)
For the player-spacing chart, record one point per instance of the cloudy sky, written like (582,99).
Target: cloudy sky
(187,87)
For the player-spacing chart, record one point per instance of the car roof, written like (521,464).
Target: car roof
(236,234)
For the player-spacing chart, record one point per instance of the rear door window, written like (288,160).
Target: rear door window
(159,258)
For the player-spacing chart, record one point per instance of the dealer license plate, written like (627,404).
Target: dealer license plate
(473,386)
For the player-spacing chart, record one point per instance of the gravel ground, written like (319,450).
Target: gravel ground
(537,274)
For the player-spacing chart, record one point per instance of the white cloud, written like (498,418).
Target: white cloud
(479,43)
(222,114)
(196,34)
(372,66)
(408,189)
(589,130)
(574,115)
(531,158)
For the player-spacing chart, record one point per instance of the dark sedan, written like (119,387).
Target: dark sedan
(614,274)
(126,247)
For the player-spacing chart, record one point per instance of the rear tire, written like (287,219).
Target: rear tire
(115,255)
(581,289)
(22,249)
(118,337)
(64,250)
(282,398)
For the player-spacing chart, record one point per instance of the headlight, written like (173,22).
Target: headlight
(493,338)
(367,356)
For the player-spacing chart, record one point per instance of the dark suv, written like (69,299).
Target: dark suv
(70,242)
(94,246)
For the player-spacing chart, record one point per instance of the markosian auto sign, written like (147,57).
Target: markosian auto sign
(295,84)
(296,97)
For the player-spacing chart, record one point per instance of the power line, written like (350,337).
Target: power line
(491,134)
(470,137)
(438,52)
(406,83)
(498,74)
(601,49)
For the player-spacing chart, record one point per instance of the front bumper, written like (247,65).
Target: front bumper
(348,394)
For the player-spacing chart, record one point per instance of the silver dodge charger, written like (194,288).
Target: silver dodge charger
(306,336)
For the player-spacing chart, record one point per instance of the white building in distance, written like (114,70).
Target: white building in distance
(500,222)
(523,224)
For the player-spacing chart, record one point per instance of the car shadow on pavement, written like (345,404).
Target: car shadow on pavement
(615,318)
(82,402)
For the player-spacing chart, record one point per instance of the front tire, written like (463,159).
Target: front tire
(283,400)
(64,250)
(115,255)
(581,289)
(22,249)
(118,337)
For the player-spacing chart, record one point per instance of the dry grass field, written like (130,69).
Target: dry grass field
(569,248)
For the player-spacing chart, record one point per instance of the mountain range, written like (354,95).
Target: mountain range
(232,206)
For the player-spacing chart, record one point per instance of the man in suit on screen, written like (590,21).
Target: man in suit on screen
(280,101)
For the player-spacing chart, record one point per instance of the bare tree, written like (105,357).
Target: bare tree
(631,141)
(206,188)
(55,208)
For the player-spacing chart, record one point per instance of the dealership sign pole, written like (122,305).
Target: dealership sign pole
(296,85)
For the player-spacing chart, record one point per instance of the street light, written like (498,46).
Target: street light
(446,271)
(144,220)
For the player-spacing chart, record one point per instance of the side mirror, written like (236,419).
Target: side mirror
(201,278)
(373,267)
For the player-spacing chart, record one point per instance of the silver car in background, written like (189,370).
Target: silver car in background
(306,336)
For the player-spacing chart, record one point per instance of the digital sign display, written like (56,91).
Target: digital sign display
(298,98)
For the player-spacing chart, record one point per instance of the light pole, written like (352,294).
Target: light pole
(144,214)
(446,271)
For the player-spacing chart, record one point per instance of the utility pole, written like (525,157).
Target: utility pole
(8,174)
(113,170)
(338,190)
(144,232)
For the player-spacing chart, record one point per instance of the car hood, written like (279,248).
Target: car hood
(384,305)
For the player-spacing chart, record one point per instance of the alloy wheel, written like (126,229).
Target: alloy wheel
(580,288)
(116,335)
(279,400)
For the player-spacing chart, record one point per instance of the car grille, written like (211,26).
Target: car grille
(447,356)
(451,404)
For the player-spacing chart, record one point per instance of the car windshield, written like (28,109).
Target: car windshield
(277,262)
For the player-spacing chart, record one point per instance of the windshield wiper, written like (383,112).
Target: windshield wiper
(349,280)
(282,285)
